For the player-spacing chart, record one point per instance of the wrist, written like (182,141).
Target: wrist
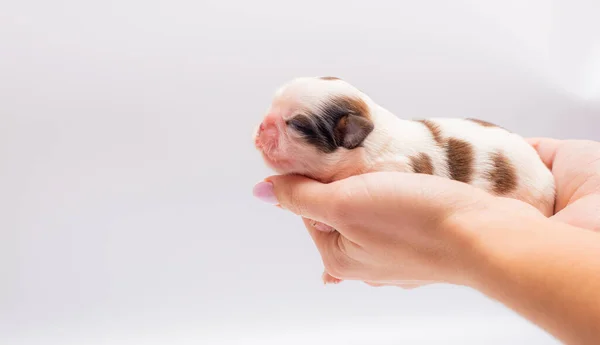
(544,270)
(487,239)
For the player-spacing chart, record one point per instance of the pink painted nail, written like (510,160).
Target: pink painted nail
(323,227)
(264,192)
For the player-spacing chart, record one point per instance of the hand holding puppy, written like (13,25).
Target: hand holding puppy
(394,228)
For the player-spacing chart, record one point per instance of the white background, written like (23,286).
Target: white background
(126,159)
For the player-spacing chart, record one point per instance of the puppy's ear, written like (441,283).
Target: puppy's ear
(352,130)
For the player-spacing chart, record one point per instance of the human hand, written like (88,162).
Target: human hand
(575,165)
(394,228)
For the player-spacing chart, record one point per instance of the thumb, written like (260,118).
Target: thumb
(546,148)
(300,195)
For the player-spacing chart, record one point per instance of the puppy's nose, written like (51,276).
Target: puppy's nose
(267,131)
(272,117)
(269,122)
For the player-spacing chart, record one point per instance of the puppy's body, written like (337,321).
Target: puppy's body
(469,151)
(327,129)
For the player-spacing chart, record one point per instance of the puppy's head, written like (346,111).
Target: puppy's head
(314,127)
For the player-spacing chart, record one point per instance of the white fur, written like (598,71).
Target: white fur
(535,182)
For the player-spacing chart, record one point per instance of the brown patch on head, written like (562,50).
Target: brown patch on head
(421,164)
(329,78)
(435,130)
(482,123)
(341,121)
(352,105)
(503,174)
(353,128)
(461,159)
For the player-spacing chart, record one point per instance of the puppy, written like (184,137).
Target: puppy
(326,129)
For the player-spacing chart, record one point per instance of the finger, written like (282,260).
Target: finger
(411,286)
(373,284)
(322,239)
(322,226)
(329,279)
(546,148)
(335,251)
(583,213)
(297,194)
(403,285)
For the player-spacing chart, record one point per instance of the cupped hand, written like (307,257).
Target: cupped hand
(409,229)
(575,165)
(393,228)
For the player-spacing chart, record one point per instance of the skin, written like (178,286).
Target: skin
(410,229)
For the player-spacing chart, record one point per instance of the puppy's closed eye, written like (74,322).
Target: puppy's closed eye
(314,131)
(302,124)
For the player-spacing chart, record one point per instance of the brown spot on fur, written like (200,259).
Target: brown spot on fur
(482,123)
(330,78)
(354,105)
(421,164)
(461,158)
(503,174)
(435,130)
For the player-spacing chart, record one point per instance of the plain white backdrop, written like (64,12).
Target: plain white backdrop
(126,159)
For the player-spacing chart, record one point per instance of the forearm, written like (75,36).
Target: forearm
(548,272)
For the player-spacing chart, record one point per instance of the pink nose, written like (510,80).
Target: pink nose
(267,131)
(270,120)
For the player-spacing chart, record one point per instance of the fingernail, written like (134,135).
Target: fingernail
(323,227)
(264,192)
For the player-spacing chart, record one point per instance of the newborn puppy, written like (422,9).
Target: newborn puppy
(326,129)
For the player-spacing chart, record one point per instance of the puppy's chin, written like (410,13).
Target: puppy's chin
(280,166)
